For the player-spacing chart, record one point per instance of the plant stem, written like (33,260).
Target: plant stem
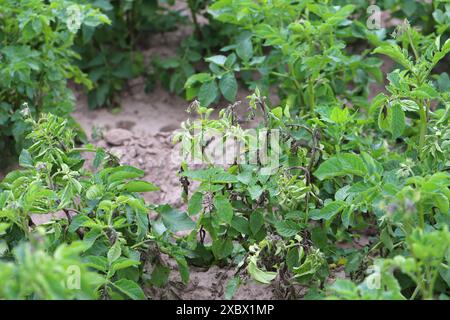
(311,97)
(198,30)
(82,150)
(411,43)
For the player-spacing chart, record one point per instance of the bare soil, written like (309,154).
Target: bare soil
(140,135)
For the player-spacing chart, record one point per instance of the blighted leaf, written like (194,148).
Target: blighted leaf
(340,165)
(347,216)
(397,123)
(139,186)
(228,86)
(288,228)
(256,221)
(259,275)
(219,60)
(353,263)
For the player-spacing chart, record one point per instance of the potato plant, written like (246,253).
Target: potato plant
(111,55)
(172,72)
(342,170)
(320,193)
(300,48)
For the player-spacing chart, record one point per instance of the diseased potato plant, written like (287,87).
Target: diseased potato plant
(36,60)
(323,188)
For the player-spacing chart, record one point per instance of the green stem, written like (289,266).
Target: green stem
(311,97)
(432,278)
(82,150)
(416,291)
(423,127)
(198,30)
